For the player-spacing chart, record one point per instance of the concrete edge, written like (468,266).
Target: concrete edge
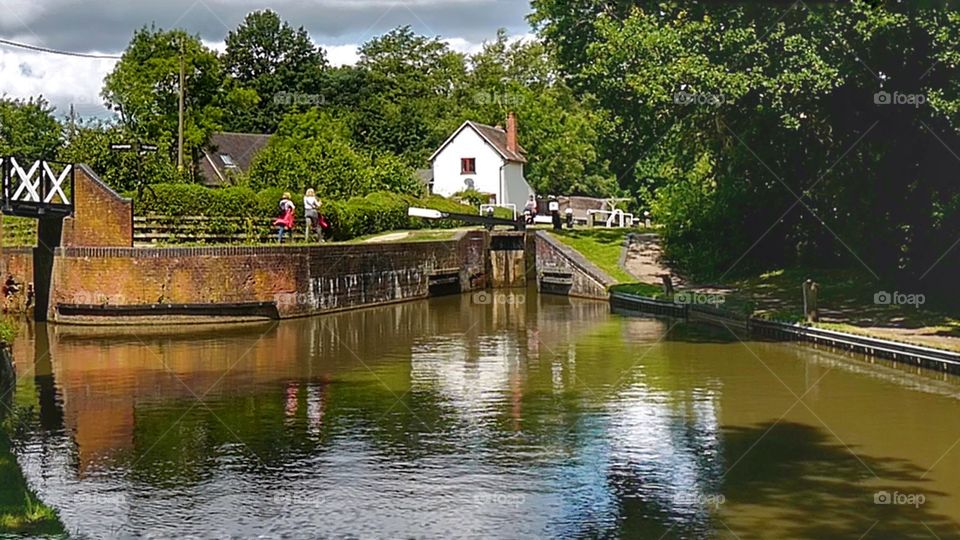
(579,260)
(905,353)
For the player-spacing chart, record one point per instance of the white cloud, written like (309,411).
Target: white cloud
(62,80)
(342,55)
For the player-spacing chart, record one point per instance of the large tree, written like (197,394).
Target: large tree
(414,79)
(144,89)
(766,133)
(280,63)
(560,133)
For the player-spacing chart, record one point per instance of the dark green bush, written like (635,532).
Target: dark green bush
(358,216)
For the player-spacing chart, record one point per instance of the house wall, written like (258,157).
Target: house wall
(447,179)
(518,190)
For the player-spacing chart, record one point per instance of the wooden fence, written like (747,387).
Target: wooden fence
(157,229)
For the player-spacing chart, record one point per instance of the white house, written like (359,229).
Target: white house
(485,158)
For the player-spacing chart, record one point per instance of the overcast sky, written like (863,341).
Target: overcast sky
(106,26)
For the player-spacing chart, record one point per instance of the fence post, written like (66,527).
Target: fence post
(811,291)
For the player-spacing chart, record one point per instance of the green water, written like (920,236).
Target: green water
(550,418)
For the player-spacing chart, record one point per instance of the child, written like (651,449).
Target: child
(284,221)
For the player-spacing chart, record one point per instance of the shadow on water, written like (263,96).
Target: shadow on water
(804,471)
(804,482)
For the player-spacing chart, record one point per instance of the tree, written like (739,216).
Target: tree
(760,139)
(314,150)
(280,63)
(561,134)
(144,88)
(28,128)
(414,81)
(89,142)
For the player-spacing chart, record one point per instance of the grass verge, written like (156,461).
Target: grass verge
(602,247)
(21,512)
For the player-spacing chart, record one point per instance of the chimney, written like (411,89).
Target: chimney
(512,133)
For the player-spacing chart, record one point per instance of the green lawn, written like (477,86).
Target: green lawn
(846,302)
(602,247)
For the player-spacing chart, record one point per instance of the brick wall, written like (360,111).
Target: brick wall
(301,280)
(101,216)
(552,256)
(17,261)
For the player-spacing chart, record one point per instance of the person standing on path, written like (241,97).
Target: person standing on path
(284,221)
(554,207)
(311,211)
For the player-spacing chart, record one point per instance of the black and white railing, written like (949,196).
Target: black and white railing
(33,187)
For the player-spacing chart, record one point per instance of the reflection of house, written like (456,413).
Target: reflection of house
(487,159)
(228,154)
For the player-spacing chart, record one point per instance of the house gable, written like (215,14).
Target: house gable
(496,138)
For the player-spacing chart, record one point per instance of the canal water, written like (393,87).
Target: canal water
(525,417)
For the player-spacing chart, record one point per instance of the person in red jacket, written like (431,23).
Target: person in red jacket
(286,214)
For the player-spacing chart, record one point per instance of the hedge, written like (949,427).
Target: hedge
(357,216)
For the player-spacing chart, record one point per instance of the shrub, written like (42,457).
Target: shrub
(356,216)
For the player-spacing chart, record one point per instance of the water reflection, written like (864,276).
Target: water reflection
(451,419)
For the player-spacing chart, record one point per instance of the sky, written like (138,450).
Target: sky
(106,26)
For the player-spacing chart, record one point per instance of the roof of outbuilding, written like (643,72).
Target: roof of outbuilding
(241,149)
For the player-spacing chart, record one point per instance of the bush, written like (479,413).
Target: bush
(357,216)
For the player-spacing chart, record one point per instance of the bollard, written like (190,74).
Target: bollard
(667,286)
(569,214)
(811,291)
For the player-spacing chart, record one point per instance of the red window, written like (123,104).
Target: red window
(468,165)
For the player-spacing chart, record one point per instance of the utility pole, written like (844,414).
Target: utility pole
(180,126)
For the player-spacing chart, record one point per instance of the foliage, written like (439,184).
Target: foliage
(28,128)
(350,217)
(89,142)
(760,139)
(560,132)
(280,64)
(313,150)
(144,88)
(8,330)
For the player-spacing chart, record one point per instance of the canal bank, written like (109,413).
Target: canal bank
(21,511)
(925,357)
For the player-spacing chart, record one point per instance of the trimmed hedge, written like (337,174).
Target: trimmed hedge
(358,216)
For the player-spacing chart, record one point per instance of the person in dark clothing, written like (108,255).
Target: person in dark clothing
(554,207)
